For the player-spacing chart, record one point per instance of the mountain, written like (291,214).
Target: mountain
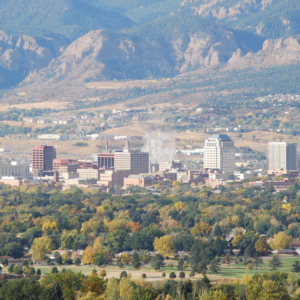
(163,48)
(271,19)
(22,54)
(64,20)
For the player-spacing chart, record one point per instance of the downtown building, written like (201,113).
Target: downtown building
(42,159)
(283,156)
(219,153)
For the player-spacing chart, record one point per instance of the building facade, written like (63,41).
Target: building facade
(21,171)
(283,156)
(219,153)
(138,180)
(132,160)
(42,158)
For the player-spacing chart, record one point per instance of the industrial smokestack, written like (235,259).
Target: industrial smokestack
(127,145)
(106,147)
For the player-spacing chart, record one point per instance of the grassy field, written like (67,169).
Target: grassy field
(231,272)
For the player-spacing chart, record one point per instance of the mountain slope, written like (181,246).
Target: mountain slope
(268,18)
(21,54)
(163,48)
(63,19)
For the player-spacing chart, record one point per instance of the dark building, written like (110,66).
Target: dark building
(42,158)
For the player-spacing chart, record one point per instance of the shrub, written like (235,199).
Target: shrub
(192,274)
(102,273)
(77,261)
(163,274)
(123,275)
(54,270)
(144,275)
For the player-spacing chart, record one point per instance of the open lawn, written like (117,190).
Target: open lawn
(231,272)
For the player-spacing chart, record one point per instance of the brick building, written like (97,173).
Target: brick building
(42,158)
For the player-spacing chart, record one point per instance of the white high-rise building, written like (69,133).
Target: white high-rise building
(219,153)
(283,156)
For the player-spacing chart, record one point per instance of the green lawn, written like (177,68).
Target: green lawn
(234,271)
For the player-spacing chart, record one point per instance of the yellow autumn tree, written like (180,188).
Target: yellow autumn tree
(126,258)
(164,245)
(117,224)
(41,246)
(88,255)
(280,241)
(180,205)
(50,226)
(205,228)
(235,242)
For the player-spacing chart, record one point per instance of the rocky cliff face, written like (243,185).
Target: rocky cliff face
(221,9)
(21,54)
(102,56)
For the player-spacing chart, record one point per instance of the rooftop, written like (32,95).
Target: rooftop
(219,136)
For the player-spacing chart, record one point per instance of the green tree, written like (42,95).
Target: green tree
(157,261)
(77,261)
(142,293)
(25,289)
(214,266)
(296,267)
(54,270)
(38,272)
(32,271)
(181,275)
(275,263)
(11,268)
(135,260)
(180,264)
(59,259)
(172,275)
(115,241)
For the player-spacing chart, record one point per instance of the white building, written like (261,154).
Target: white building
(131,159)
(219,153)
(283,155)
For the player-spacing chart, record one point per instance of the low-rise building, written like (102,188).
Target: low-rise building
(89,173)
(113,177)
(138,180)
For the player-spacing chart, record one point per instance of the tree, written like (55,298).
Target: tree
(94,284)
(25,289)
(172,275)
(280,241)
(54,270)
(164,245)
(144,275)
(13,249)
(69,240)
(18,270)
(77,261)
(32,271)
(157,261)
(145,256)
(120,264)
(261,246)
(296,267)
(4,261)
(227,259)
(181,275)
(70,283)
(41,246)
(102,273)
(217,232)
(38,272)
(145,293)
(135,260)
(126,258)
(180,264)
(257,261)
(53,292)
(88,255)
(275,263)
(123,274)
(11,268)
(115,241)
(163,274)
(214,266)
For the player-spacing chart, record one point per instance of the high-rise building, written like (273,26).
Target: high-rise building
(106,159)
(42,158)
(219,153)
(131,159)
(283,156)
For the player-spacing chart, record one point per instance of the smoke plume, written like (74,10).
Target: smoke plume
(160,147)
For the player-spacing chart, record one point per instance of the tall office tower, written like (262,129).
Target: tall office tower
(219,153)
(42,158)
(130,159)
(283,155)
